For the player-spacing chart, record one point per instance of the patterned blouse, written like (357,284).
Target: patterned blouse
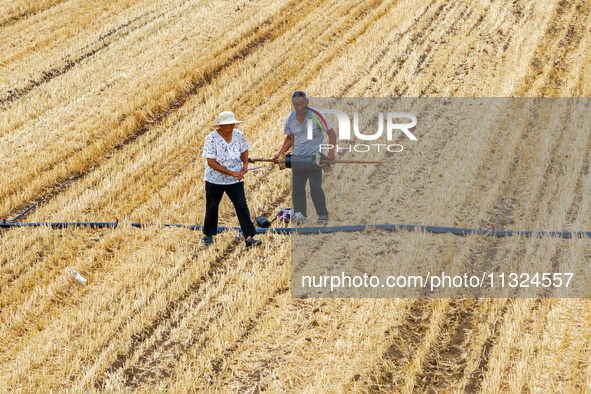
(226,154)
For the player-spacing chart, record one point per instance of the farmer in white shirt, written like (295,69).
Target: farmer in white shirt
(296,131)
(226,153)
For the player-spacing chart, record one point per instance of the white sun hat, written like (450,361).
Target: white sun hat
(226,117)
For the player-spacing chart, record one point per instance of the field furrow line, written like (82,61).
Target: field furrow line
(97,45)
(388,47)
(192,312)
(445,361)
(140,312)
(575,32)
(57,286)
(522,356)
(583,171)
(508,327)
(553,173)
(425,59)
(451,319)
(46,76)
(448,77)
(580,365)
(405,340)
(139,131)
(129,317)
(43,272)
(275,80)
(164,317)
(430,44)
(560,35)
(416,40)
(219,266)
(362,11)
(137,375)
(476,376)
(36,9)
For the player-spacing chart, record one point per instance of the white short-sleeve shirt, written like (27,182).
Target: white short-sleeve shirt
(226,154)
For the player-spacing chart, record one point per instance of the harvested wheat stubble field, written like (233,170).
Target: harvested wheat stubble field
(104,107)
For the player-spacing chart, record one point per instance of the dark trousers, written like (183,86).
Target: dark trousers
(213,196)
(298,190)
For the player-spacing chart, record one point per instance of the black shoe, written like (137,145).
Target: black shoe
(207,240)
(322,219)
(251,242)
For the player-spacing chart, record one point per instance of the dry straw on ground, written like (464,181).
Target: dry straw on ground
(117,96)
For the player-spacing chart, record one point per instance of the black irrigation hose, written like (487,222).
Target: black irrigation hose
(333,229)
(25,211)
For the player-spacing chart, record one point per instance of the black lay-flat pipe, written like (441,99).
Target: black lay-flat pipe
(334,229)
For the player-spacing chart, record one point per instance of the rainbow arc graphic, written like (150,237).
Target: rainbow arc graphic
(317,116)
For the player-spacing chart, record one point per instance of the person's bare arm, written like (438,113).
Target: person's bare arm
(244,158)
(285,147)
(332,140)
(218,167)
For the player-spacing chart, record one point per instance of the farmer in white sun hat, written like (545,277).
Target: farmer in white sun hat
(226,153)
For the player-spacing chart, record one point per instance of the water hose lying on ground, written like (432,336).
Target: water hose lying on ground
(328,229)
